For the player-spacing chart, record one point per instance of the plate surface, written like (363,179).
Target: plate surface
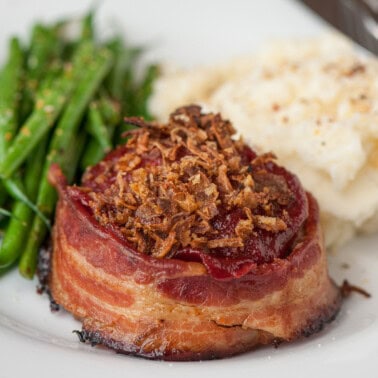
(35,342)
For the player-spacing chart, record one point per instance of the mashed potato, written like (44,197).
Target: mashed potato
(314,103)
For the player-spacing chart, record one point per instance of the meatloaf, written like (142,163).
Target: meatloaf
(184,244)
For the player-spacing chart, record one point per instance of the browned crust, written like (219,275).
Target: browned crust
(238,341)
(294,297)
(257,338)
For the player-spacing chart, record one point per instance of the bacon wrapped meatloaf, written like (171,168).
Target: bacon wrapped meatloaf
(184,244)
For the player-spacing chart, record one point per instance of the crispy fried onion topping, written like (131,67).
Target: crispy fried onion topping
(174,181)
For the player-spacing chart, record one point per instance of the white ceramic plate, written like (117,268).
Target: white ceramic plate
(35,342)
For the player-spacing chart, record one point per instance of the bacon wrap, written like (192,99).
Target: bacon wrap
(194,305)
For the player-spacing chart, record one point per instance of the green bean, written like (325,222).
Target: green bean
(10,86)
(74,153)
(135,99)
(33,169)
(16,189)
(18,228)
(97,66)
(96,127)
(110,109)
(115,76)
(10,83)
(87,26)
(28,261)
(129,96)
(93,152)
(45,46)
(48,106)
(15,234)
(125,58)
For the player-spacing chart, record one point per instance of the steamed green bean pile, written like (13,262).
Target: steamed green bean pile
(62,100)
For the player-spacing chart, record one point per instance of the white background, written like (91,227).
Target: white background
(34,342)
